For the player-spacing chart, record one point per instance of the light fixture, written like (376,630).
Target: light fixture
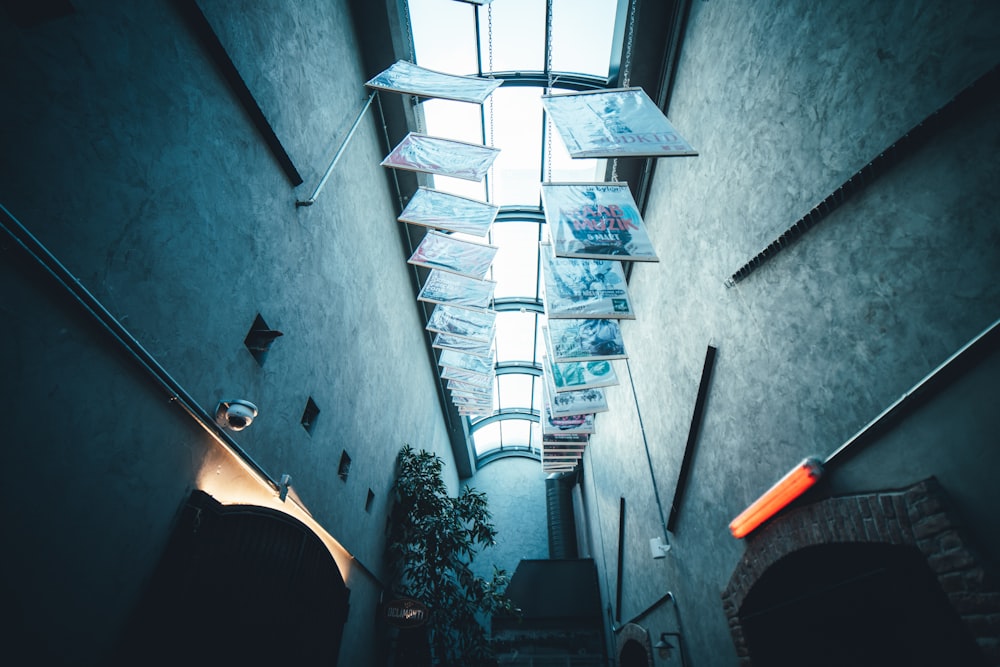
(790,487)
(663,647)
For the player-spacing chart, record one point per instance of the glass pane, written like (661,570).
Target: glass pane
(514,390)
(582,32)
(444,36)
(460,121)
(515,266)
(517,132)
(515,337)
(487,438)
(518,35)
(515,432)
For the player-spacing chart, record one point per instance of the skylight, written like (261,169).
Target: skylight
(511,37)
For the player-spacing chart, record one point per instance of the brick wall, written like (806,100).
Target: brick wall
(917,516)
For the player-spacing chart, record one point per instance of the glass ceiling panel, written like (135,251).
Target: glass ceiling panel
(487,438)
(515,266)
(518,35)
(517,132)
(444,39)
(431,20)
(515,337)
(514,390)
(582,32)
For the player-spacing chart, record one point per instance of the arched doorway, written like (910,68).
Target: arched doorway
(633,655)
(864,605)
(239,585)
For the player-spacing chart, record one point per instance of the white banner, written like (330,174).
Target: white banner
(440,210)
(460,344)
(456,290)
(405,77)
(585,340)
(596,221)
(470,377)
(566,424)
(622,122)
(467,362)
(434,155)
(574,288)
(477,325)
(441,251)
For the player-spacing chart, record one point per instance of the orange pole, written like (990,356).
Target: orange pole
(790,487)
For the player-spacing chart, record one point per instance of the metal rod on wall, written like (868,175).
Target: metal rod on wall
(340,151)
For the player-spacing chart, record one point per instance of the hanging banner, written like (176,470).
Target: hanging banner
(577,375)
(574,288)
(456,290)
(469,377)
(471,402)
(448,253)
(446,157)
(582,401)
(565,424)
(477,325)
(465,345)
(622,122)
(405,77)
(467,362)
(440,210)
(569,441)
(466,388)
(595,221)
(585,340)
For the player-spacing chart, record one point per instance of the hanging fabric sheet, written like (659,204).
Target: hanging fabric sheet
(405,77)
(452,254)
(568,424)
(464,345)
(467,362)
(574,288)
(477,325)
(456,290)
(585,340)
(595,221)
(441,210)
(622,122)
(445,157)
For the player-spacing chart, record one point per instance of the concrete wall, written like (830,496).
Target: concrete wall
(125,152)
(785,102)
(515,487)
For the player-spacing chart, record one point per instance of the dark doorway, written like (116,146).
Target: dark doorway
(853,604)
(633,655)
(239,585)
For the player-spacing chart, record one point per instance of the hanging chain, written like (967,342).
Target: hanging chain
(489,39)
(409,31)
(627,71)
(633,7)
(548,90)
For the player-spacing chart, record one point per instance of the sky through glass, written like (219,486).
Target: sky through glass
(512,37)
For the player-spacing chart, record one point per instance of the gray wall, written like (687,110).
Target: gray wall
(126,154)
(785,102)
(515,487)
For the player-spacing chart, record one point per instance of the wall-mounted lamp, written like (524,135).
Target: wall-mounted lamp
(790,487)
(665,648)
(283,485)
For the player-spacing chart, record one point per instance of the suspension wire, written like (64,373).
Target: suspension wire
(489,41)
(409,31)
(548,88)
(629,43)
(633,8)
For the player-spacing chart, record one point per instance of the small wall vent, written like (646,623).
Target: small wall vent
(259,339)
(309,415)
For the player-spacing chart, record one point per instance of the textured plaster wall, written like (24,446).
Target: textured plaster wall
(516,490)
(125,153)
(784,102)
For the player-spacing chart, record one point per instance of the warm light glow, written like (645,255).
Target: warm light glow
(791,486)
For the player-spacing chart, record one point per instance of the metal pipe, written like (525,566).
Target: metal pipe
(936,375)
(48,262)
(340,151)
(38,252)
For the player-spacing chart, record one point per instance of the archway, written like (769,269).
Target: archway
(239,585)
(633,655)
(864,605)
